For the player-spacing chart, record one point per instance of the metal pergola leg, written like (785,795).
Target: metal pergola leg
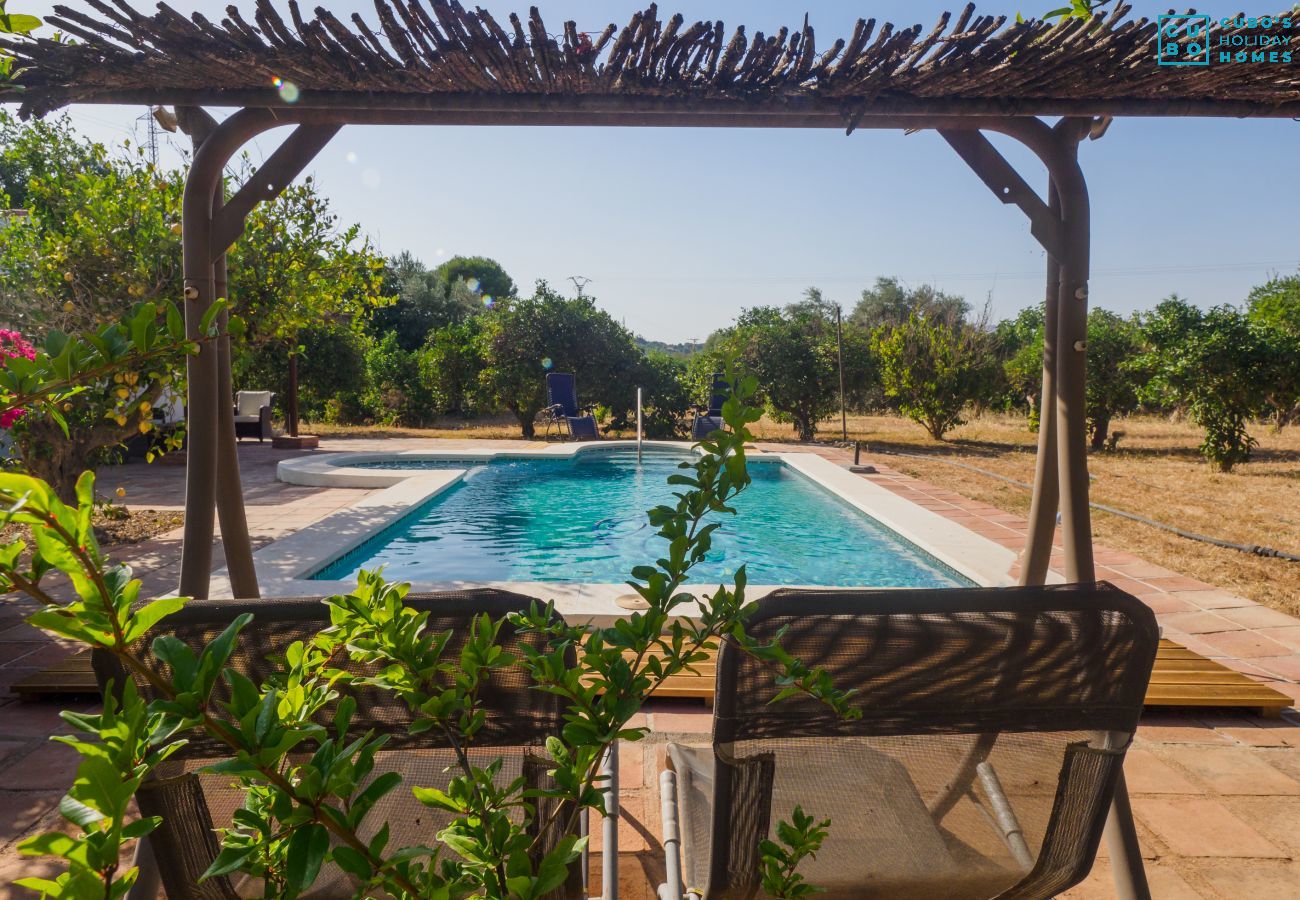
(1037,557)
(1062,226)
(210,227)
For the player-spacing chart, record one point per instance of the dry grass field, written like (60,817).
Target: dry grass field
(1155,472)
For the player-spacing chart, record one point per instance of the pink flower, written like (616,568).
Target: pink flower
(13,344)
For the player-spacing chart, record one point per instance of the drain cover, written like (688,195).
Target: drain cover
(632,601)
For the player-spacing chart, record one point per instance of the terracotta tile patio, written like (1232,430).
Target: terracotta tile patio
(1216,797)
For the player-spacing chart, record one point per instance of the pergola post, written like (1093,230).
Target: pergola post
(1062,226)
(1037,556)
(210,226)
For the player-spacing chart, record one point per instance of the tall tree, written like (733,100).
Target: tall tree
(297,268)
(1111,388)
(484,275)
(1274,309)
(421,302)
(1214,365)
(890,302)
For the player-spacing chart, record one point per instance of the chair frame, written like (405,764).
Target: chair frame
(556,415)
(261,429)
(812,603)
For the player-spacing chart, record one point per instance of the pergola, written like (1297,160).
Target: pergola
(432,62)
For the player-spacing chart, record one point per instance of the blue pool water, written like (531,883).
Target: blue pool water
(583,520)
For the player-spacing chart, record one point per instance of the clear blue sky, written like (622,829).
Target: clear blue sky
(678,229)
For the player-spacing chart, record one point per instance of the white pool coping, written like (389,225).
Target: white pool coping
(284,567)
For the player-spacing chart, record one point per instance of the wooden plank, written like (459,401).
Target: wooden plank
(1180,678)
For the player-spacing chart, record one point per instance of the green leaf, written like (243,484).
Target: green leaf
(51,843)
(306,853)
(79,813)
(21,24)
(228,860)
(143,619)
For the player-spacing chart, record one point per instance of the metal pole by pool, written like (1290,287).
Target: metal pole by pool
(638,425)
(609,830)
(839,353)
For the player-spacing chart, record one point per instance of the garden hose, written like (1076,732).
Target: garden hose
(1252,549)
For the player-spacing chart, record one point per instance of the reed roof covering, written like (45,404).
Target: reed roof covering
(425,52)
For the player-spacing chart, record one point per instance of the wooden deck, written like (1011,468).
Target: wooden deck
(1181,679)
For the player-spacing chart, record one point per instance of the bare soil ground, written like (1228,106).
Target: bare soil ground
(113,529)
(1155,472)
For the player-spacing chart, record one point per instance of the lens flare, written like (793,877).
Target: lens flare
(351,157)
(488,301)
(288,91)
(546,362)
(472,284)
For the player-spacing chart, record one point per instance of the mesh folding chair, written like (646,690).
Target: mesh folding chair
(709,418)
(519,719)
(564,410)
(993,731)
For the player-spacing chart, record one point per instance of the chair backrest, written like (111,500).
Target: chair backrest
(719,391)
(1002,707)
(519,719)
(562,391)
(250,403)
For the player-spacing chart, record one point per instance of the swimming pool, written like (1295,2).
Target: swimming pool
(582,520)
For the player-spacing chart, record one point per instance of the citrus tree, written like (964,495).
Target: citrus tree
(1212,364)
(521,339)
(931,369)
(793,354)
(97,248)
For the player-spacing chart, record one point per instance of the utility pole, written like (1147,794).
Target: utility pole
(580,282)
(839,353)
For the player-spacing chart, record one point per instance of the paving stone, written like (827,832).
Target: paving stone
(1263,737)
(1232,770)
(1257,880)
(1146,774)
(1246,645)
(50,767)
(1277,818)
(1165,884)
(1289,635)
(20,810)
(1213,598)
(1259,617)
(1199,827)
(1169,728)
(1198,622)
